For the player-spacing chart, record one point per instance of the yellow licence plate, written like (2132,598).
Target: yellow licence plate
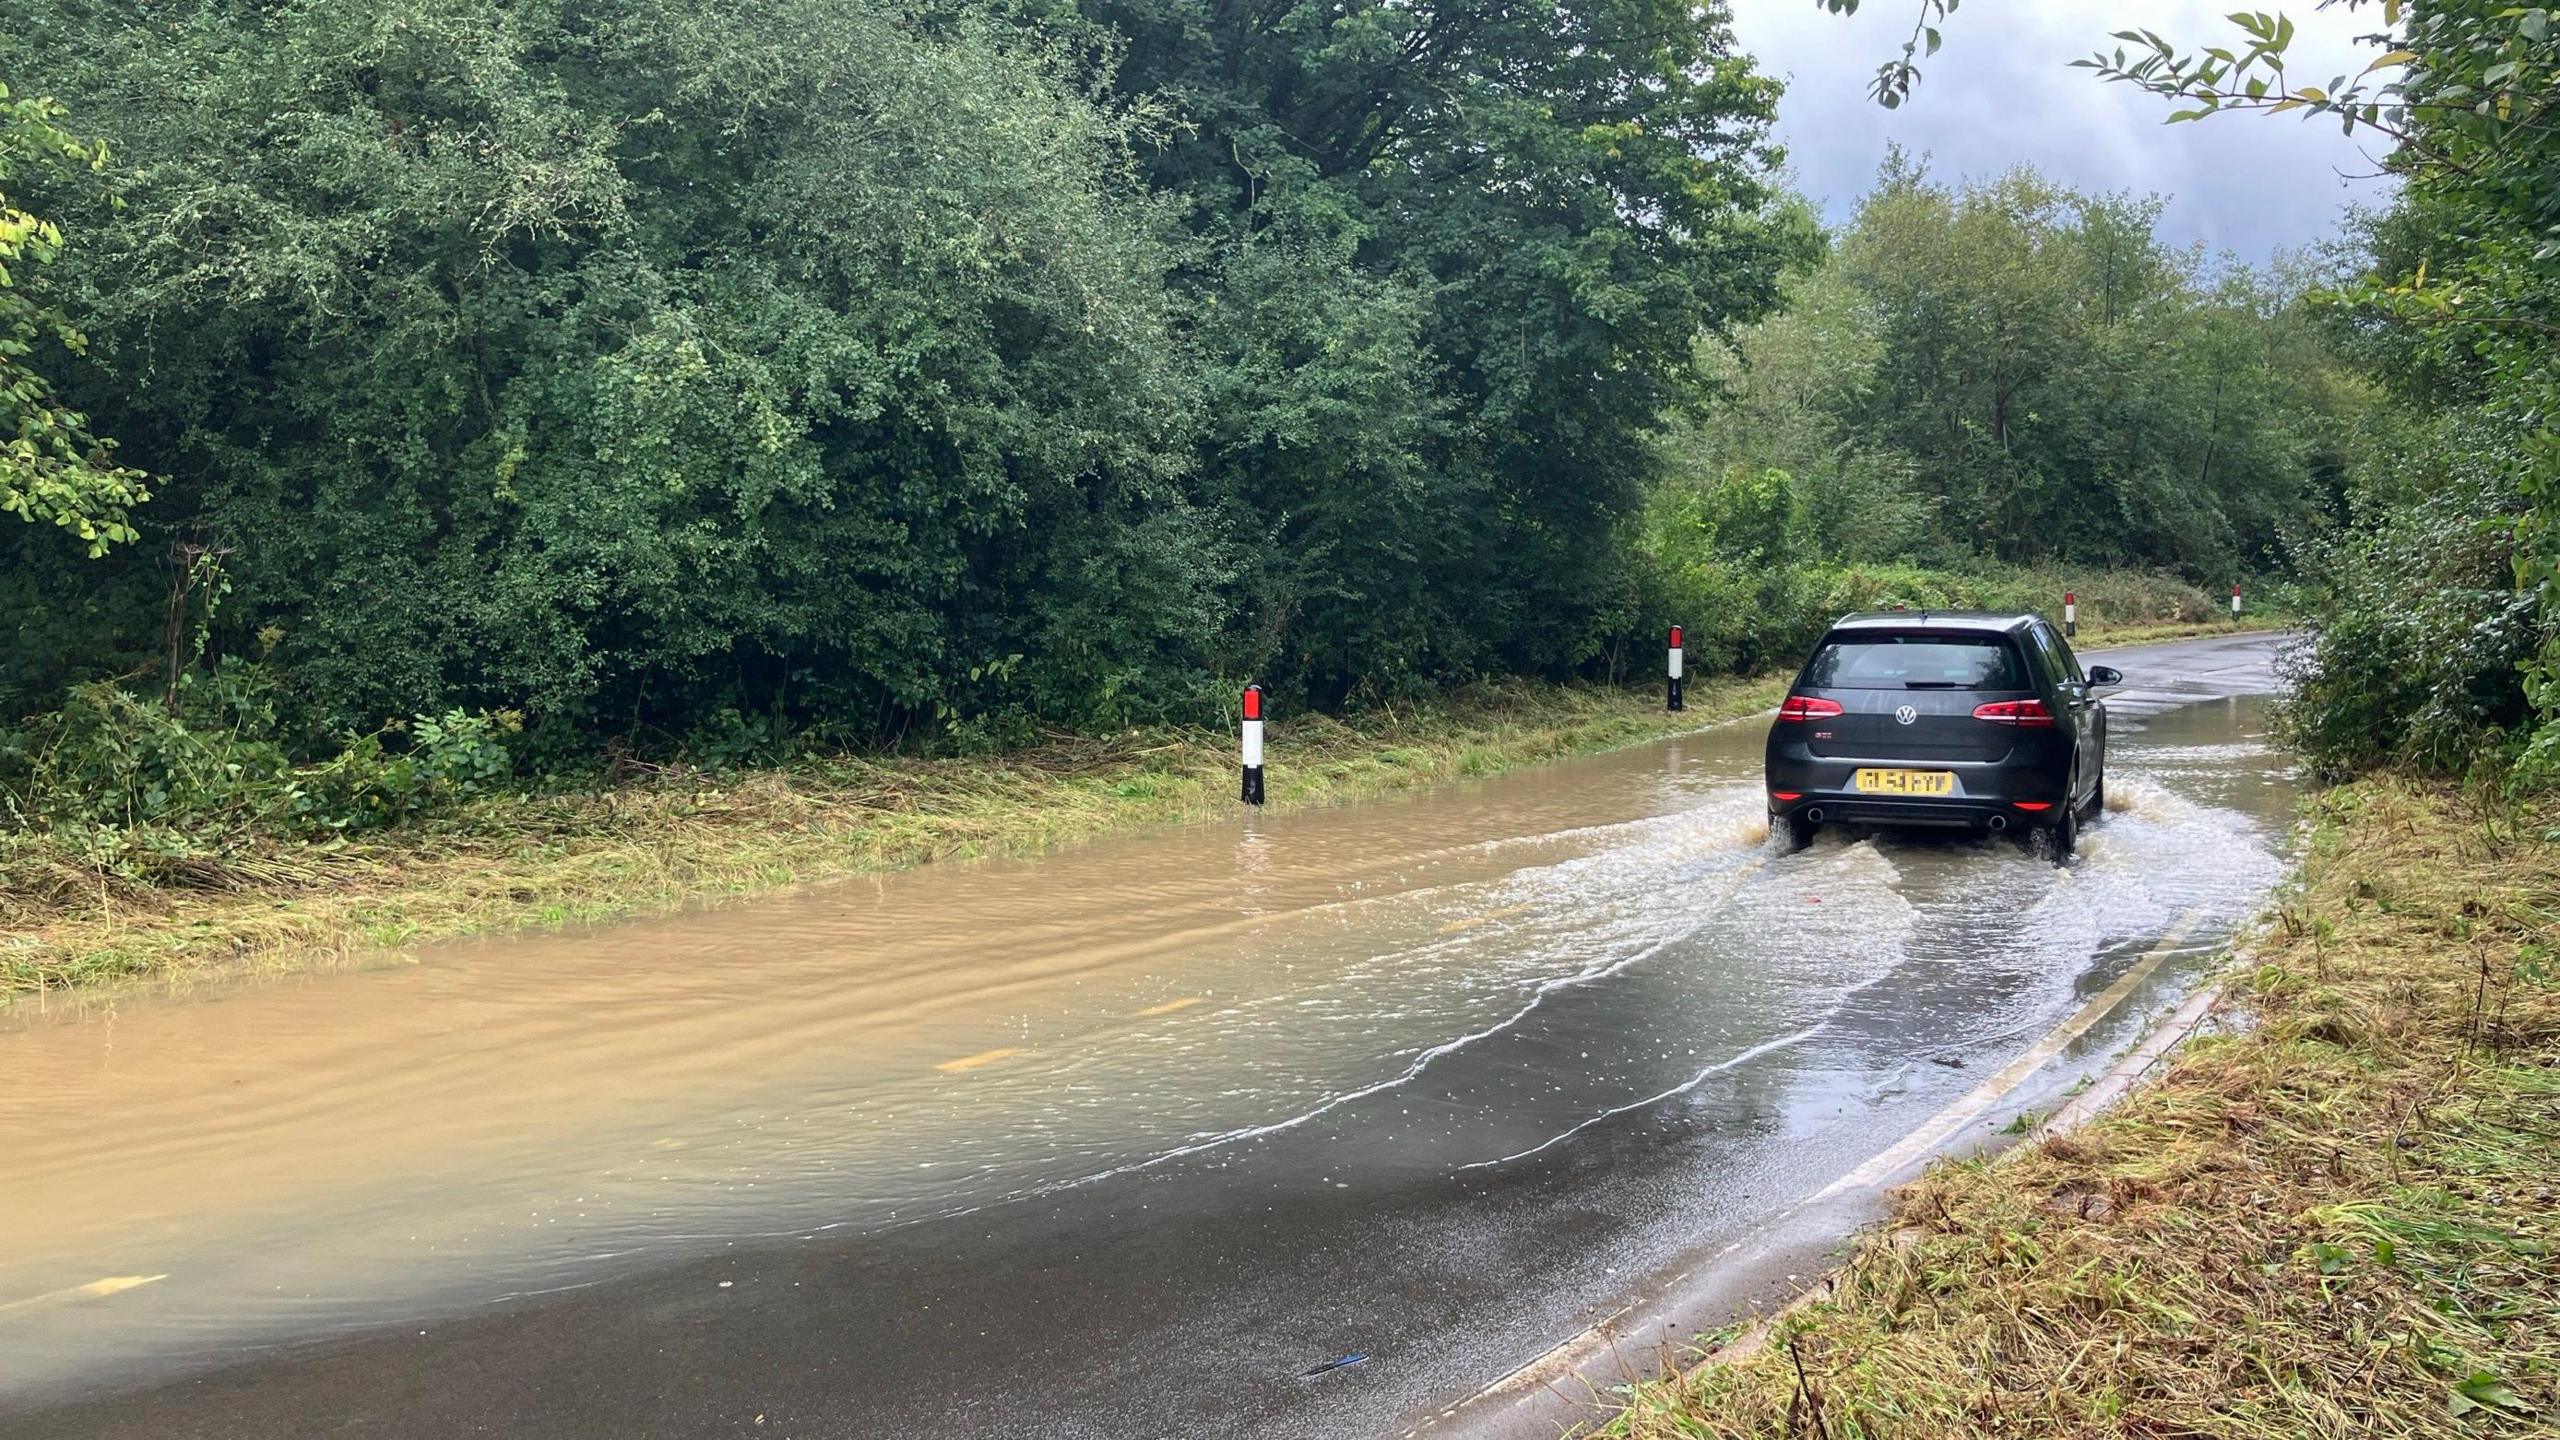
(1905,782)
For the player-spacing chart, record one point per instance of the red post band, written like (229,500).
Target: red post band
(1253,702)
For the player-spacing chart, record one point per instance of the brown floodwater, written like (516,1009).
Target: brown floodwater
(190,1178)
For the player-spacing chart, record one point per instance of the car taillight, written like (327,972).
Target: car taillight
(1806,707)
(2015,712)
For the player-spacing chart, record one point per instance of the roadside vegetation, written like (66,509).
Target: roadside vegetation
(2334,1216)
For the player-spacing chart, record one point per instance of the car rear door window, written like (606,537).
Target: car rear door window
(2056,656)
(1916,662)
(2071,670)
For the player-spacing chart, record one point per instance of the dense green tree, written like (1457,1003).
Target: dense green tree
(632,362)
(2011,369)
(1790,393)
(1538,211)
(827,363)
(2072,388)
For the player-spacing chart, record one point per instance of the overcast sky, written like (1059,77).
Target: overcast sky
(2003,91)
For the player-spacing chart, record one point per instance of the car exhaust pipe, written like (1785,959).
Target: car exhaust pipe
(1999,823)
(1813,816)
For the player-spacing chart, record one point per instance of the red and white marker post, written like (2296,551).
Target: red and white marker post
(1675,669)
(1253,744)
(2070,614)
(2235,599)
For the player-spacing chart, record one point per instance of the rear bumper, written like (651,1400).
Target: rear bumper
(2013,792)
(1953,813)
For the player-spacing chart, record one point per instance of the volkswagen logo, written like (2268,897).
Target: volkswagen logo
(1905,715)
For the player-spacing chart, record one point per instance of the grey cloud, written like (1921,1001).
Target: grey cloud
(2003,92)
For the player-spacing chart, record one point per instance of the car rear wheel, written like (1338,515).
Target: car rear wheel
(1797,830)
(2065,836)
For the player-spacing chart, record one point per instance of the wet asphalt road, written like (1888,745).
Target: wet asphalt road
(1637,1034)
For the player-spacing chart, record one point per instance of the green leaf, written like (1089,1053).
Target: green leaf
(2485,1390)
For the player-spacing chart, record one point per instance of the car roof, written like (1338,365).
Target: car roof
(1987,622)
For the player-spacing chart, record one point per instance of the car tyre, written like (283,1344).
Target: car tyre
(2097,797)
(2065,836)
(1797,830)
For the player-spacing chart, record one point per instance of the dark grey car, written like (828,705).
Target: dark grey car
(1948,718)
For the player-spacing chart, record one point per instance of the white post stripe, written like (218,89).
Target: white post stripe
(1253,744)
(1675,664)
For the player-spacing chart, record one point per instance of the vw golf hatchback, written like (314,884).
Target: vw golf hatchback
(1946,718)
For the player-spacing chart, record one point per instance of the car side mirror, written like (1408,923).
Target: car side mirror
(2105,675)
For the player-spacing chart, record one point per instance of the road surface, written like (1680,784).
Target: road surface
(1125,1140)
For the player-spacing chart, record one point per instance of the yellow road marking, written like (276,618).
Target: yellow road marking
(1942,1127)
(1472,921)
(1575,1352)
(94,1290)
(1168,1007)
(983,1057)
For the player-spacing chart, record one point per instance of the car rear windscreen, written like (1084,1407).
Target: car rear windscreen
(1916,662)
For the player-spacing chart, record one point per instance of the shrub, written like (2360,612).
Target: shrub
(2420,633)
(213,766)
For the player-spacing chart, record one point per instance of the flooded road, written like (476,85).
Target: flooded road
(1116,1141)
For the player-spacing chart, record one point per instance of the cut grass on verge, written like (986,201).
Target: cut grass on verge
(2336,1218)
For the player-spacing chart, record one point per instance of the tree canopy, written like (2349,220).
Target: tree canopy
(2006,367)
(862,370)
(870,366)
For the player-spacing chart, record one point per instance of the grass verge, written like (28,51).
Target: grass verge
(2111,636)
(679,837)
(2334,1219)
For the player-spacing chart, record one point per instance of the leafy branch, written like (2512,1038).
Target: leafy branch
(1895,77)
(51,467)
(2460,91)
